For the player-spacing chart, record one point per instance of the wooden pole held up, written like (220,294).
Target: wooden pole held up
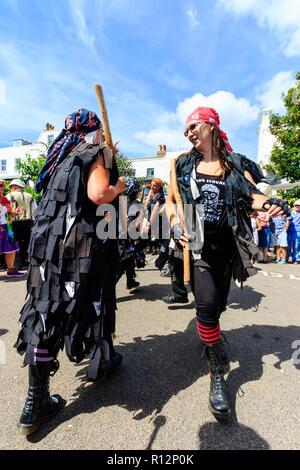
(104,117)
(186,253)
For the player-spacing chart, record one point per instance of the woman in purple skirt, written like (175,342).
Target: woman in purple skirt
(8,244)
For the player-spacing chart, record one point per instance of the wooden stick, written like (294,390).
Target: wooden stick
(109,144)
(142,195)
(104,117)
(186,253)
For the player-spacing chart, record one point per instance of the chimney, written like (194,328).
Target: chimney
(49,127)
(161,151)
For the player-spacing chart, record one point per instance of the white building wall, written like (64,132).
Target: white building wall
(10,155)
(161,165)
(265,139)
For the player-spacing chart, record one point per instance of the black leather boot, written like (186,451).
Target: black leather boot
(39,406)
(132,284)
(218,400)
(168,271)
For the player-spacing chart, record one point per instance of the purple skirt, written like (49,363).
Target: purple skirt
(6,244)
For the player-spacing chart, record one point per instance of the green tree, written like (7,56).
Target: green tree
(124,165)
(29,169)
(285,156)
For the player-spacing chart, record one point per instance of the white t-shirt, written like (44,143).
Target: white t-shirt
(3,210)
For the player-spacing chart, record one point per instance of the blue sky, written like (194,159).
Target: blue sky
(156,61)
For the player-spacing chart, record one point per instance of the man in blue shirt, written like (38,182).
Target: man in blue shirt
(279,227)
(294,233)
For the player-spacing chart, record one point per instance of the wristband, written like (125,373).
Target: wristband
(176,231)
(277,202)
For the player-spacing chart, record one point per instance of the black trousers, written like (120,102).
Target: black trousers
(129,266)
(177,281)
(22,232)
(210,282)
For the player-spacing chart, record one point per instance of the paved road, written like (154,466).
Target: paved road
(158,400)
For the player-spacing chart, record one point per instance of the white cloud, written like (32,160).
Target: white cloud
(269,95)
(78,11)
(283,16)
(235,113)
(192,17)
(2,92)
(172,138)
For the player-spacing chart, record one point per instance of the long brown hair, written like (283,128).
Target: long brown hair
(219,149)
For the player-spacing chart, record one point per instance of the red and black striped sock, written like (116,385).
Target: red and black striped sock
(209,334)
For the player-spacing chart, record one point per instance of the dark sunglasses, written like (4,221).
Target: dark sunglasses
(191,127)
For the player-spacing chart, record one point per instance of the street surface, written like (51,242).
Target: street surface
(158,399)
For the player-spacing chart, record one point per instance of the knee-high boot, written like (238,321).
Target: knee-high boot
(39,405)
(218,399)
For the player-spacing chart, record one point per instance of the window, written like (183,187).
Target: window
(150,171)
(3,166)
(133,171)
(50,139)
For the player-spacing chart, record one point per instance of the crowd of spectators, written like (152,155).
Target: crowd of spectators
(279,237)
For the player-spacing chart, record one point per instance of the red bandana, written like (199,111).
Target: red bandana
(209,115)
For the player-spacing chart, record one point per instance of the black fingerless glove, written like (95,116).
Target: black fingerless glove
(278,202)
(176,232)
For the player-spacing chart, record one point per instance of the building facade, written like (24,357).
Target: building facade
(158,166)
(10,156)
(265,139)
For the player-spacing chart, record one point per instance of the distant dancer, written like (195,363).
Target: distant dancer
(154,226)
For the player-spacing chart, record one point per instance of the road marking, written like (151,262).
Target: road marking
(272,274)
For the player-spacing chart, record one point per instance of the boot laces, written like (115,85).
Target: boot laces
(214,364)
(217,381)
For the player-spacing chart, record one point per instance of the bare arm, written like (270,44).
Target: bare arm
(99,190)
(170,208)
(259,199)
(154,212)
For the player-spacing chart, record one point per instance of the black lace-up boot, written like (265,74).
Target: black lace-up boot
(218,400)
(39,405)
